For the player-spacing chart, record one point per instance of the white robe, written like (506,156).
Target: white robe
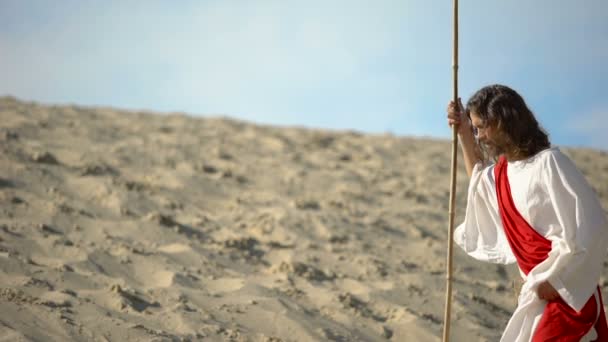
(555,199)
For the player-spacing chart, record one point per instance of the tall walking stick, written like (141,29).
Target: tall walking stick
(448,291)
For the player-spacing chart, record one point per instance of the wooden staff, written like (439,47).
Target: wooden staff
(448,291)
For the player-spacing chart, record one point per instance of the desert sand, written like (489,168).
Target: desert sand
(138,226)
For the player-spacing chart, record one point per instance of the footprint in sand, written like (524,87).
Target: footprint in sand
(165,279)
(175,248)
(225,285)
(128,299)
(162,279)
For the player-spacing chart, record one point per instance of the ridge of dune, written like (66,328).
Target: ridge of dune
(135,226)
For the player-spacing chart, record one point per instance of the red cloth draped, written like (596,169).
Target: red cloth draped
(559,321)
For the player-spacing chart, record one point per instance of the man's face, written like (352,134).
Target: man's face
(483,131)
(486,134)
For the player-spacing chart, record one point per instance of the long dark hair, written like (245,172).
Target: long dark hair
(517,129)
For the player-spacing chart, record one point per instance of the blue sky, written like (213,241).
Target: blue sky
(371,66)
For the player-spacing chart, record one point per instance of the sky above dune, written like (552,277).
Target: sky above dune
(371,66)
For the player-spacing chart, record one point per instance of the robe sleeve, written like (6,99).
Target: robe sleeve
(481,234)
(579,245)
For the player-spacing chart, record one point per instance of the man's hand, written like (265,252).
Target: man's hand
(546,291)
(470,150)
(456,116)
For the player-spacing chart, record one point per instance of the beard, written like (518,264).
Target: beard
(491,149)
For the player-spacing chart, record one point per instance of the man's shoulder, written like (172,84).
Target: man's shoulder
(552,153)
(552,160)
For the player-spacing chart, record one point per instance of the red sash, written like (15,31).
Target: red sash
(559,321)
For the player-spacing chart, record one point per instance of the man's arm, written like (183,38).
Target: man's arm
(470,151)
(546,291)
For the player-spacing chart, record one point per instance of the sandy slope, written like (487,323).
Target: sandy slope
(121,226)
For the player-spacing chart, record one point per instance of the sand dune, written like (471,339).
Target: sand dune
(129,226)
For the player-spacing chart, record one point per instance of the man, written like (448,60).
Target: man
(528,203)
